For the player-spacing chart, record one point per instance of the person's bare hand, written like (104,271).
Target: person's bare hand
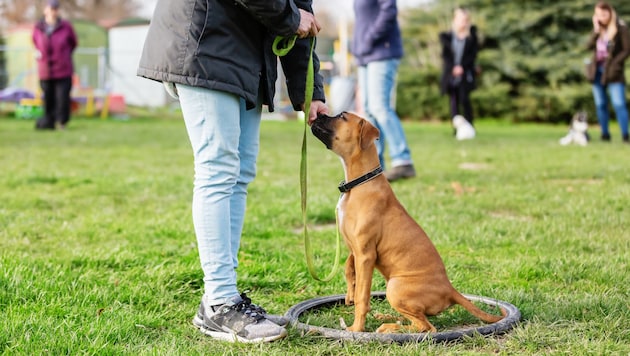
(457,71)
(309,27)
(595,24)
(317,107)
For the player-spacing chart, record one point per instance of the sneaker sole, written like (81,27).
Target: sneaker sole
(231,337)
(199,323)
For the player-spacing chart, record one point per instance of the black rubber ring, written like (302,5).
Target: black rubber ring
(513,316)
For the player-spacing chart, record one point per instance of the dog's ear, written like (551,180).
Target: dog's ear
(368,134)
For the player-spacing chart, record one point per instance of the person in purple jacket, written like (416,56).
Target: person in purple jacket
(55,41)
(377,48)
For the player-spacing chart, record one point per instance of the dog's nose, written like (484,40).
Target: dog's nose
(323,117)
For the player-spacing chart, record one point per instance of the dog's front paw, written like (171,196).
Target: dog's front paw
(353,328)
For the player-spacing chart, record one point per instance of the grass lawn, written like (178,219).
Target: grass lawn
(98,255)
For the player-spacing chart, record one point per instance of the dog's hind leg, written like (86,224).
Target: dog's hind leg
(419,323)
(402,296)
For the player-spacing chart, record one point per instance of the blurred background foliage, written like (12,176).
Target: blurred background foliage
(532,59)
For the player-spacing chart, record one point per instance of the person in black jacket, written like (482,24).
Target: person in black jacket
(459,53)
(216,57)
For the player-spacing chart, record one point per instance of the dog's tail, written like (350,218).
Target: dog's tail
(458,298)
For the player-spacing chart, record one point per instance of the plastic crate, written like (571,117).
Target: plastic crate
(29,109)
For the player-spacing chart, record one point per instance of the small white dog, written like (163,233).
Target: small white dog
(463,129)
(577,131)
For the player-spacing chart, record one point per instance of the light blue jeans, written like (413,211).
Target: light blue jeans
(225,141)
(617,92)
(376,82)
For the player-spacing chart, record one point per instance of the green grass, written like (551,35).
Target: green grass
(98,255)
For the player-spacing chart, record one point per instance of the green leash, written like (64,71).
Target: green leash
(287,44)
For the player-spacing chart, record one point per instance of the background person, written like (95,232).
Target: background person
(610,43)
(459,53)
(218,56)
(377,48)
(55,41)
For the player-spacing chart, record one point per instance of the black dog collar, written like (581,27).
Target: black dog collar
(345,187)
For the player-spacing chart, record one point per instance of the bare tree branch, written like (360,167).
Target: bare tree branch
(14,12)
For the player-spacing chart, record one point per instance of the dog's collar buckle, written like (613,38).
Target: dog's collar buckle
(345,187)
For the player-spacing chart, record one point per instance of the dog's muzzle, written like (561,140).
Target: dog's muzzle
(323,128)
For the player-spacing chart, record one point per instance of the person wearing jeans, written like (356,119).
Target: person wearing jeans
(610,43)
(376,83)
(216,57)
(617,93)
(224,136)
(377,48)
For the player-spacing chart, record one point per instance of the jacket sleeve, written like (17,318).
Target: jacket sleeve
(294,66)
(75,40)
(383,23)
(445,44)
(621,56)
(282,17)
(592,40)
(469,57)
(35,38)
(72,37)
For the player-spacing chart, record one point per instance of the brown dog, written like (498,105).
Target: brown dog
(380,234)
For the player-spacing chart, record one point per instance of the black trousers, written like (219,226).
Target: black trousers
(460,97)
(56,101)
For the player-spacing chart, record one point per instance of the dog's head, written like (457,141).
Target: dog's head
(459,121)
(579,122)
(345,134)
(580,116)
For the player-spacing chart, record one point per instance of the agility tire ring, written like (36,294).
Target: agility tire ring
(512,317)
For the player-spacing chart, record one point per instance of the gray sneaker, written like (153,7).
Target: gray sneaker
(398,172)
(237,321)
(276,319)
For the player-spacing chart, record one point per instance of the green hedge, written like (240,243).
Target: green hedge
(532,56)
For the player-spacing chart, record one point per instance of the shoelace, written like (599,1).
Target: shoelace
(257,308)
(246,307)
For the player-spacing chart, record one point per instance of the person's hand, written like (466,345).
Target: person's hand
(457,71)
(595,24)
(309,27)
(317,107)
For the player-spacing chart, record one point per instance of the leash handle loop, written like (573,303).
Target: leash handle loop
(287,44)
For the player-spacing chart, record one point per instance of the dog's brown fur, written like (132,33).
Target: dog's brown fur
(380,234)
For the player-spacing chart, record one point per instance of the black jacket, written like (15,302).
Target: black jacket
(226,45)
(471,47)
